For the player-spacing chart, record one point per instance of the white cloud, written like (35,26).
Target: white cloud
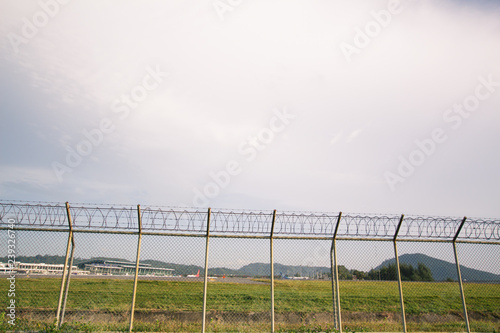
(354,134)
(41,177)
(337,138)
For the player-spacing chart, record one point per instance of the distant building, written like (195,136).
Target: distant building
(38,268)
(4,268)
(111,267)
(94,266)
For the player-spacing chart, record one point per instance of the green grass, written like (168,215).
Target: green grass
(89,297)
(290,296)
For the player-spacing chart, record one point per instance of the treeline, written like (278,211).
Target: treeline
(48,259)
(389,273)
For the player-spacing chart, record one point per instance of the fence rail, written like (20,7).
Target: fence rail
(271,225)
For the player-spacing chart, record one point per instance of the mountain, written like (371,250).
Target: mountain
(180,269)
(263,269)
(442,270)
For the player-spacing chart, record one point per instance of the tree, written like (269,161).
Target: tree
(408,273)
(424,272)
(389,273)
(344,273)
(359,274)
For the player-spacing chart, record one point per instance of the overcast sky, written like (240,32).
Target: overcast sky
(354,106)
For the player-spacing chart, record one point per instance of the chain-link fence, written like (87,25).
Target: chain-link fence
(171,269)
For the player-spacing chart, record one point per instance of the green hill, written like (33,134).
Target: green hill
(264,269)
(442,270)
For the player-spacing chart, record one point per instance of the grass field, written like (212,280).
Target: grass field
(95,304)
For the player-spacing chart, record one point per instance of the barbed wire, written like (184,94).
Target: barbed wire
(247,223)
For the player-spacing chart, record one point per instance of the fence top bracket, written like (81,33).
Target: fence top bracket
(459,229)
(398,227)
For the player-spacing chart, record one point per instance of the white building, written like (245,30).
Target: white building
(4,268)
(111,267)
(39,268)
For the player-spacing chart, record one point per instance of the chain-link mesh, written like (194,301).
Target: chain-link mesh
(303,294)
(167,299)
(238,290)
(33,287)
(367,297)
(480,272)
(99,293)
(431,293)
(101,246)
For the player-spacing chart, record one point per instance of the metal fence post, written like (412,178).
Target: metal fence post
(139,219)
(68,279)
(272,270)
(403,316)
(337,321)
(63,279)
(459,275)
(205,282)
